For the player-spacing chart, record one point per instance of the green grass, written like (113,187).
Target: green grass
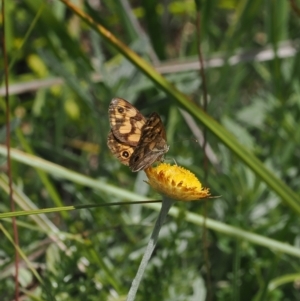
(253,133)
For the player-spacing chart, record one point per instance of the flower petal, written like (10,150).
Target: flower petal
(176,182)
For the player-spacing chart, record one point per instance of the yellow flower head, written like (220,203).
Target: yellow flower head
(176,182)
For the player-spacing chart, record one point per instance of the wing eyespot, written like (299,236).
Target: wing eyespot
(120,110)
(125,154)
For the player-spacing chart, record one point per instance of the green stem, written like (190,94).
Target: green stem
(166,205)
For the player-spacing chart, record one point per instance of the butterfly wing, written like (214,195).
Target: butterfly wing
(126,121)
(120,150)
(152,145)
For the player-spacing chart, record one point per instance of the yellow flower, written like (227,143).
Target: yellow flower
(176,182)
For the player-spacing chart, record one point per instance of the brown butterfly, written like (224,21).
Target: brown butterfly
(135,140)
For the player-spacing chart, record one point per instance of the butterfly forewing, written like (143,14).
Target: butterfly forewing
(126,121)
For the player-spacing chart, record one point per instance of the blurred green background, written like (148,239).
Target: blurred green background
(62,77)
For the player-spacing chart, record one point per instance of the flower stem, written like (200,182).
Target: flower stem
(166,205)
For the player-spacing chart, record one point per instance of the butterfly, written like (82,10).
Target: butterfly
(136,141)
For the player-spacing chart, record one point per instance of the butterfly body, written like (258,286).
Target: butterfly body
(135,140)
